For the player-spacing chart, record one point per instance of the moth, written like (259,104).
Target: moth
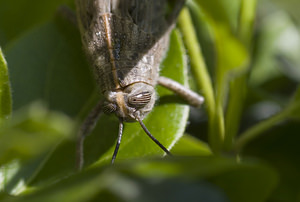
(125,42)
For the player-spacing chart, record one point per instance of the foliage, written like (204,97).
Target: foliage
(244,59)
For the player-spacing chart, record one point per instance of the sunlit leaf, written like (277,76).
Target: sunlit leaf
(190,146)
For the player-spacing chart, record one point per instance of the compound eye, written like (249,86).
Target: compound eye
(109,108)
(140,100)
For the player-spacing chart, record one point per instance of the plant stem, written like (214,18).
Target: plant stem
(258,129)
(235,106)
(238,87)
(247,18)
(201,75)
(292,109)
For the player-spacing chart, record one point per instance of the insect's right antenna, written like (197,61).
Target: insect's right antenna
(118,141)
(153,138)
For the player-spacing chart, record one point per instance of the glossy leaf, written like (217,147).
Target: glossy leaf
(190,146)
(5,91)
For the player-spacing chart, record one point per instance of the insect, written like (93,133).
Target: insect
(125,41)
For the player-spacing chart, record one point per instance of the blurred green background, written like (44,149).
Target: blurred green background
(242,145)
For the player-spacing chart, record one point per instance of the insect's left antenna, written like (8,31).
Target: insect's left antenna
(121,126)
(85,129)
(153,138)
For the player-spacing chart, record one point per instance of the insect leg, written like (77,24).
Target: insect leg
(85,129)
(118,141)
(153,138)
(191,97)
(68,14)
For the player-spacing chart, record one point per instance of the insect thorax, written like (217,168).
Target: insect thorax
(121,53)
(125,63)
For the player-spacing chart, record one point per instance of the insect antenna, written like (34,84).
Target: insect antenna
(153,138)
(85,129)
(121,125)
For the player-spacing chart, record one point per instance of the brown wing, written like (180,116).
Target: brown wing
(125,40)
(151,16)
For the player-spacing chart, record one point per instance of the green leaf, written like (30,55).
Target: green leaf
(190,146)
(58,75)
(70,189)
(112,185)
(235,179)
(237,182)
(221,10)
(166,122)
(31,132)
(197,179)
(48,64)
(32,13)
(5,94)
(30,135)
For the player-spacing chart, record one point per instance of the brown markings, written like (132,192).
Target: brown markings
(110,49)
(121,103)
